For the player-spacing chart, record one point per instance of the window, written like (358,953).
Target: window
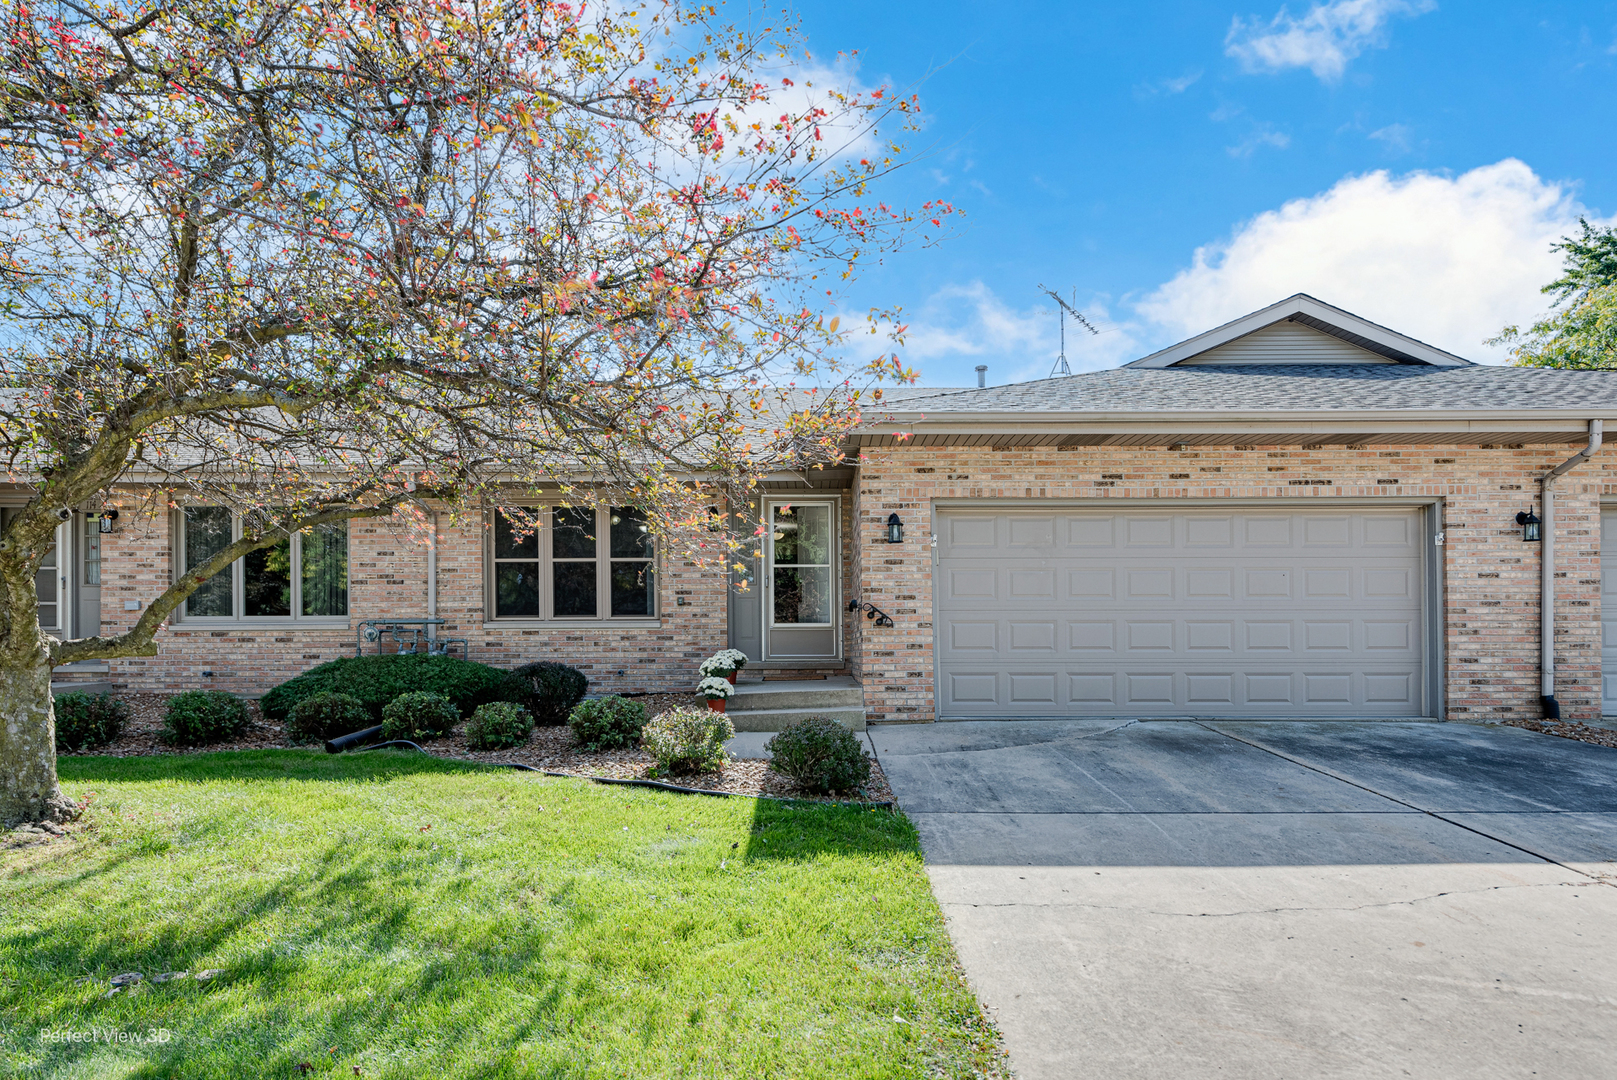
(301,577)
(92,549)
(801,560)
(47,585)
(573,563)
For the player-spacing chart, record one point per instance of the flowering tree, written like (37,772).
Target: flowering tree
(327,259)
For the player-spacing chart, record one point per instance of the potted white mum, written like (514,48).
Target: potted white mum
(724,664)
(716,690)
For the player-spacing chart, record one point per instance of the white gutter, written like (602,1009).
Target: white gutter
(1546,585)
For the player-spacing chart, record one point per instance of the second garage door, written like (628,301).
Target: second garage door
(1049,613)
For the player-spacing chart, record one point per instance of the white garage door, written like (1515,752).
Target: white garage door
(1059,612)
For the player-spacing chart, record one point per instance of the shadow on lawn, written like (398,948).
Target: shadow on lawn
(805,830)
(360,973)
(310,764)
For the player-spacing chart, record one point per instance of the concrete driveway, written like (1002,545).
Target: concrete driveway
(1185,899)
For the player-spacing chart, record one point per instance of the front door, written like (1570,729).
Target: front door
(802,618)
(87,555)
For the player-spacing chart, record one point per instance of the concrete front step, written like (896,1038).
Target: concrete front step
(840,692)
(776,719)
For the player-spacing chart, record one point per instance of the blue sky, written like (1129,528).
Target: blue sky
(1180,164)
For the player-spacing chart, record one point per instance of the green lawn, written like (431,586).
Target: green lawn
(421,918)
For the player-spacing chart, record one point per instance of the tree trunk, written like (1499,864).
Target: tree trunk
(28,789)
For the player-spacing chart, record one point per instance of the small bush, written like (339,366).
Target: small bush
(83,721)
(325,716)
(821,755)
(686,740)
(556,689)
(200,717)
(608,723)
(498,726)
(377,680)
(420,714)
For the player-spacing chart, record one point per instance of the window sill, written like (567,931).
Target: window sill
(262,624)
(571,624)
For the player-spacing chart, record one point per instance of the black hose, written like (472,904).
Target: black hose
(883,804)
(343,742)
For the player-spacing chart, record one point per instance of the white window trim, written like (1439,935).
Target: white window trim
(835,564)
(66,576)
(182,617)
(603,578)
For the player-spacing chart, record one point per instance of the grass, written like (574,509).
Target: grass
(413,917)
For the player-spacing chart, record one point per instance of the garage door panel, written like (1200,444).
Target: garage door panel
(1033,637)
(1149,532)
(966,532)
(1032,532)
(1327,583)
(1210,636)
(1213,531)
(971,583)
(974,636)
(1210,583)
(1091,584)
(1152,583)
(1152,636)
(1191,613)
(1092,636)
(1268,583)
(1328,531)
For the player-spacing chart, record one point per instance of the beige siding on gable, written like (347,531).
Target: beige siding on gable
(1285,343)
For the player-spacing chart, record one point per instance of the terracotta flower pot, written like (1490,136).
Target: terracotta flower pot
(732,678)
(716,704)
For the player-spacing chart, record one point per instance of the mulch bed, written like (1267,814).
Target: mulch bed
(550,749)
(1569,729)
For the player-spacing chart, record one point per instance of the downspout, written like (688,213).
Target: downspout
(1546,587)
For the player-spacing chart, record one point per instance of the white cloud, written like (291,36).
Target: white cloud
(1323,41)
(1448,260)
(1169,86)
(1261,135)
(1395,137)
(959,322)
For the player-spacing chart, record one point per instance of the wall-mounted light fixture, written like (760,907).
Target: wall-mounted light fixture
(895,529)
(1529,523)
(106,518)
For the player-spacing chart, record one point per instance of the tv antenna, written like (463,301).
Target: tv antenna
(1060,367)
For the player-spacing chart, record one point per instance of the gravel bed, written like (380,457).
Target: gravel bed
(550,750)
(1569,729)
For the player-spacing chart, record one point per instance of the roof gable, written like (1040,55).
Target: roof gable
(1289,333)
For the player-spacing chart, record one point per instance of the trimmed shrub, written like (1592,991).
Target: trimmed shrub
(200,717)
(377,680)
(686,740)
(820,754)
(498,726)
(608,723)
(325,716)
(420,714)
(83,720)
(556,689)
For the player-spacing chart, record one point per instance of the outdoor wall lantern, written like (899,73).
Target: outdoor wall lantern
(107,517)
(895,529)
(1529,523)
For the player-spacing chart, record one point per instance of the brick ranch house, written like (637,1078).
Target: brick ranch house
(1297,514)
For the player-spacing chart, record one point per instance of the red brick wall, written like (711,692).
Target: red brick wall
(1490,578)
(388,579)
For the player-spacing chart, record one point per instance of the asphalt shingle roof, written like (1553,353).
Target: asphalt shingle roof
(1283,387)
